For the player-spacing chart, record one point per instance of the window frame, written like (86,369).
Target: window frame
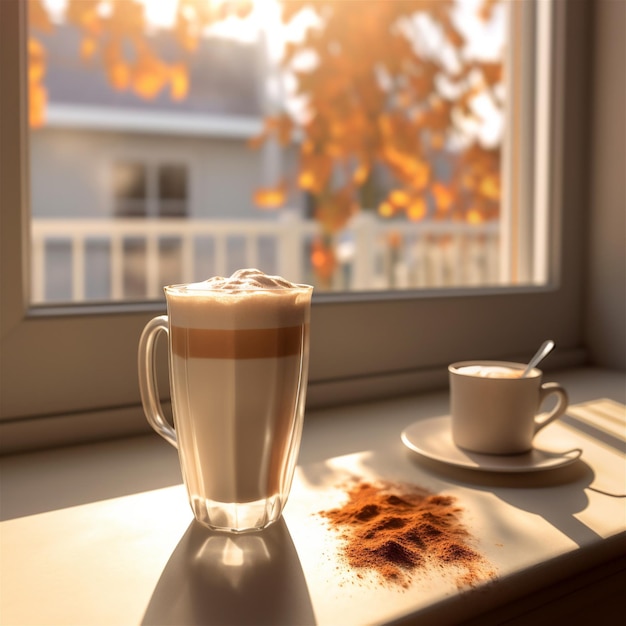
(69,373)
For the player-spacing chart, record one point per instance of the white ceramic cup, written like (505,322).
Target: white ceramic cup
(238,378)
(494,410)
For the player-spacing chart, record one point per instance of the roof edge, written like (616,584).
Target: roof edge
(155,122)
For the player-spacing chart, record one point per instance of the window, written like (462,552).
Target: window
(130,190)
(69,372)
(431,212)
(142,190)
(172,191)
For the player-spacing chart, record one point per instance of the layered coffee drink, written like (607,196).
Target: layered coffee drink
(238,371)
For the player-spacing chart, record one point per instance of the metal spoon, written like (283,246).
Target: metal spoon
(542,353)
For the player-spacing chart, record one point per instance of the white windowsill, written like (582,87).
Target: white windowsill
(90,534)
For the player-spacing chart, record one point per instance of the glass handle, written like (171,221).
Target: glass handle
(148,381)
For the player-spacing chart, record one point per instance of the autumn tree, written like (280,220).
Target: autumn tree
(378,101)
(381,107)
(115,32)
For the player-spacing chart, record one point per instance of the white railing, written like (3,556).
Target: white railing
(372,253)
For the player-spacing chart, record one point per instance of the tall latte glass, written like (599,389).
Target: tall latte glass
(238,363)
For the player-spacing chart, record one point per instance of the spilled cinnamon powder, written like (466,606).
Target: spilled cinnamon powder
(397,530)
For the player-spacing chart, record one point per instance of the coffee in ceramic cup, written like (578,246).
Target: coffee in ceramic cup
(495,410)
(238,357)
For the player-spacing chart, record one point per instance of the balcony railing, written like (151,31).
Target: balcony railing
(372,253)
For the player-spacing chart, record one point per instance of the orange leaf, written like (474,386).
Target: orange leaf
(492,72)
(37,93)
(490,187)
(38,16)
(443,196)
(399,198)
(36,71)
(147,83)
(455,37)
(475,216)
(314,173)
(361,173)
(323,260)
(419,174)
(271,197)
(88,47)
(119,75)
(179,82)
(37,100)
(386,209)
(36,59)
(417,209)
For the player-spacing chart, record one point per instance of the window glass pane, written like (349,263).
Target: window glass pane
(129,189)
(129,181)
(355,150)
(172,182)
(172,191)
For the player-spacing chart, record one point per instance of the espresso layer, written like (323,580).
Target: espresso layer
(247,343)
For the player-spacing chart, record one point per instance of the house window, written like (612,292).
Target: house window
(130,190)
(142,190)
(365,344)
(172,190)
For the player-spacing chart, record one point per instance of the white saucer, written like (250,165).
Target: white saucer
(432,438)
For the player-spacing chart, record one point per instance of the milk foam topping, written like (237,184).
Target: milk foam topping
(490,371)
(247,299)
(245,280)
